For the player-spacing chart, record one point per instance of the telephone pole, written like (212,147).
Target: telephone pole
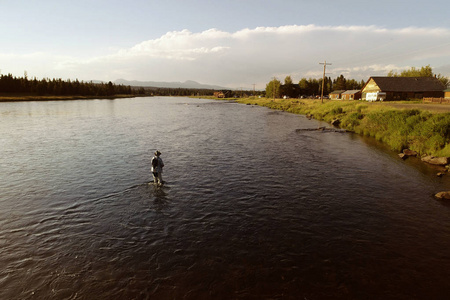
(274,88)
(323,78)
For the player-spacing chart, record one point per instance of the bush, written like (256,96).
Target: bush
(361,107)
(351,120)
(337,111)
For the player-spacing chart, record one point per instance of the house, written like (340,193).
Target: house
(219,95)
(351,95)
(401,88)
(447,94)
(336,95)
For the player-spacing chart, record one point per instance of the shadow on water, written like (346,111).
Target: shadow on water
(157,197)
(160,194)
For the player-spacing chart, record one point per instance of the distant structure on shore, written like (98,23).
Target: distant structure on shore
(402,88)
(379,88)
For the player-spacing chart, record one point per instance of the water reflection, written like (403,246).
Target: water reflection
(160,195)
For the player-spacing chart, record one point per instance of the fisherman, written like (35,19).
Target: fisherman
(157,167)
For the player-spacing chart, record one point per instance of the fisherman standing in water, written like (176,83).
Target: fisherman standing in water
(157,167)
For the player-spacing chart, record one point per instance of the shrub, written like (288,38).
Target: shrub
(337,110)
(361,107)
(352,120)
(445,152)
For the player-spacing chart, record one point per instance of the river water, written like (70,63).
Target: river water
(252,207)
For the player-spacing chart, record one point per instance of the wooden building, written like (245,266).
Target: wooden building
(447,94)
(336,95)
(351,95)
(403,88)
(219,95)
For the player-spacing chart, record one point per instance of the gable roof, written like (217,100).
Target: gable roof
(408,84)
(337,92)
(351,92)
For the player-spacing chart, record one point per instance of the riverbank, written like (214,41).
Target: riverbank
(419,129)
(13,98)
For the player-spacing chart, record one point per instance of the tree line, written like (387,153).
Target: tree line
(185,92)
(313,87)
(426,71)
(59,87)
(310,87)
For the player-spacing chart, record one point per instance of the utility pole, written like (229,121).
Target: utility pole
(273,88)
(254,92)
(323,78)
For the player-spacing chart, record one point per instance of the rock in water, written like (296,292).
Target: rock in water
(441,161)
(408,152)
(443,195)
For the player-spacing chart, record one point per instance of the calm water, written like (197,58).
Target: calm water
(252,209)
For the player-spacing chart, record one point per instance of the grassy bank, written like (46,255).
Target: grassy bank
(415,129)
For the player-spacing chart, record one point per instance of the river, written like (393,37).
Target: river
(252,207)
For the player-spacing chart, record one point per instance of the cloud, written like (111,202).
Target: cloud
(36,64)
(182,45)
(239,59)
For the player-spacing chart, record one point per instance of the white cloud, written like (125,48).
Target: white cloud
(250,56)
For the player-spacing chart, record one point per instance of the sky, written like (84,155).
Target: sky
(231,43)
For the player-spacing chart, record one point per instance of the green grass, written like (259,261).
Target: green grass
(415,129)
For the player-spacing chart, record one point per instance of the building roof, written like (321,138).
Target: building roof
(351,92)
(409,84)
(337,92)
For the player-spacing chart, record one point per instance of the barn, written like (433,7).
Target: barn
(351,95)
(402,88)
(219,95)
(336,95)
(447,94)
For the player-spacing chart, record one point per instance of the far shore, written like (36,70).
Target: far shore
(421,127)
(18,98)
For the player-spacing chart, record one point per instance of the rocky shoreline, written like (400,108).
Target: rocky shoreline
(432,160)
(385,121)
(443,162)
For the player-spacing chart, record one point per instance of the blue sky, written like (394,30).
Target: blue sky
(230,43)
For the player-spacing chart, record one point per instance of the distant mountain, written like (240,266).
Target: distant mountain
(187,84)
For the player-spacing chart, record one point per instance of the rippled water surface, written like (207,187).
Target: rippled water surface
(252,208)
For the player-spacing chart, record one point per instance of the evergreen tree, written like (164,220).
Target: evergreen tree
(340,83)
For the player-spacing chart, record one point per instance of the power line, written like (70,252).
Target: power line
(323,79)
